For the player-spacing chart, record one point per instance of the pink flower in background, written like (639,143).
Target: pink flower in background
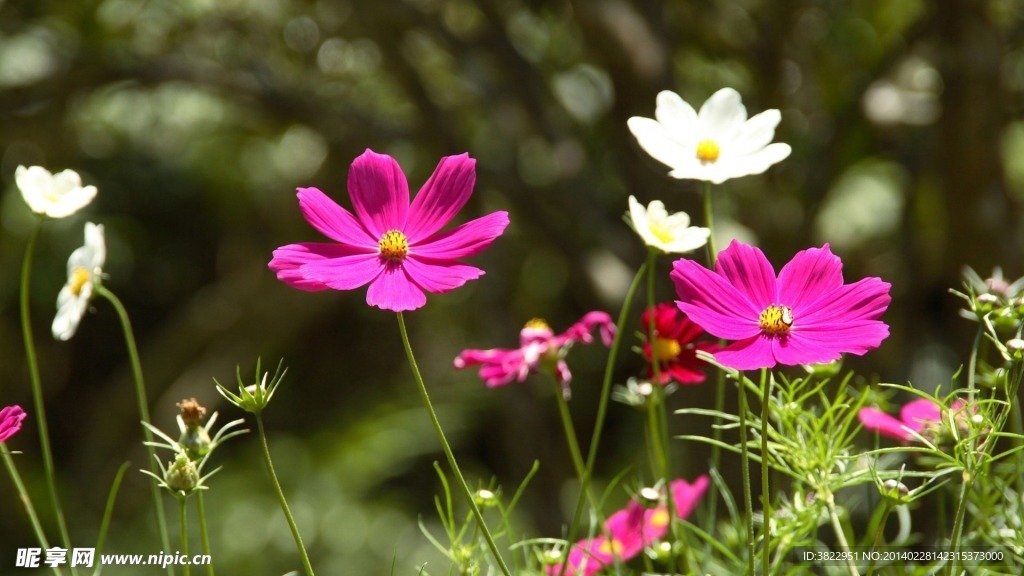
(10,421)
(627,532)
(915,416)
(674,345)
(805,315)
(539,347)
(394,246)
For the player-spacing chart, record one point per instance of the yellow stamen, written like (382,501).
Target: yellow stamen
(613,547)
(659,518)
(393,245)
(776,320)
(79,277)
(665,349)
(537,324)
(707,150)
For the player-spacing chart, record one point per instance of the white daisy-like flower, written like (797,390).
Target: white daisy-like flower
(85,270)
(670,233)
(55,195)
(716,144)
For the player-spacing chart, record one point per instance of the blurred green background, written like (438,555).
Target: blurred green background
(197,119)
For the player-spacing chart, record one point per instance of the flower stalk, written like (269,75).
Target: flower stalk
(280,497)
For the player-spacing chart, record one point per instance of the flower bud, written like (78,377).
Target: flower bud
(895,492)
(182,474)
(194,437)
(649,497)
(485,498)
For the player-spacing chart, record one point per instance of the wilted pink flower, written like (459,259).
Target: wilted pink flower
(10,421)
(915,416)
(396,248)
(806,315)
(674,346)
(627,532)
(539,348)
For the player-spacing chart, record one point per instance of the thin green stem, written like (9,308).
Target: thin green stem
(972,363)
(142,400)
(879,535)
(37,388)
(33,518)
(602,405)
(570,431)
(709,223)
(447,448)
(203,532)
(766,497)
(745,472)
(716,433)
(280,497)
(183,518)
(837,527)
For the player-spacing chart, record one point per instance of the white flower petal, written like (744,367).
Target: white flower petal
(73,299)
(677,117)
(56,196)
(659,143)
(755,134)
(722,115)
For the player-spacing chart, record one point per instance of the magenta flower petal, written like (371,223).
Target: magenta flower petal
(746,268)
(748,354)
(465,240)
(686,495)
(394,290)
(343,272)
(875,420)
(379,191)
(10,421)
(394,247)
(712,302)
(916,413)
(332,220)
(440,277)
(811,274)
(289,260)
(443,195)
(806,316)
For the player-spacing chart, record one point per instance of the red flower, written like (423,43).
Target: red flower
(674,346)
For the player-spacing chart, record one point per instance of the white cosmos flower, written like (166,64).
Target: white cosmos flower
(716,144)
(85,270)
(670,233)
(55,195)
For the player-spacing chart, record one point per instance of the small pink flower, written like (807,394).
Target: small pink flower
(915,416)
(805,315)
(674,346)
(627,532)
(10,421)
(396,247)
(539,348)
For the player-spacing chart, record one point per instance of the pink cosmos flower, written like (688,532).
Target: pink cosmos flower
(674,346)
(630,530)
(539,347)
(915,416)
(396,247)
(805,315)
(10,421)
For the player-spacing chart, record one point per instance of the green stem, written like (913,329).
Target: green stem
(183,517)
(447,448)
(203,533)
(602,405)
(837,527)
(570,431)
(142,400)
(972,363)
(766,498)
(709,223)
(280,497)
(33,518)
(879,535)
(745,472)
(37,388)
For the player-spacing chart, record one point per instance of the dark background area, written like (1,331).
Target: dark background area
(197,119)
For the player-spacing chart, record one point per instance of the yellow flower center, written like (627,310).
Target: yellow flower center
(660,518)
(776,320)
(393,245)
(537,324)
(707,150)
(661,232)
(79,277)
(665,349)
(610,547)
